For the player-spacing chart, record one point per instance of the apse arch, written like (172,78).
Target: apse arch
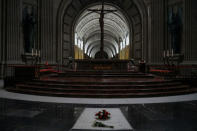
(135,12)
(90,22)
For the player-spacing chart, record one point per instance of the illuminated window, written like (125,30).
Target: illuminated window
(117,51)
(78,43)
(124,43)
(81,45)
(76,38)
(120,46)
(127,40)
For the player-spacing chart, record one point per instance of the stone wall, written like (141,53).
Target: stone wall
(159,39)
(11,35)
(55,25)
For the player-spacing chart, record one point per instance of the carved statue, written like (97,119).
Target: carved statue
(175,28)
(28,24)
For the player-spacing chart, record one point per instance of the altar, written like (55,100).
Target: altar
(101,64)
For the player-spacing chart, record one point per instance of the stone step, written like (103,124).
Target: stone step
(101,95)
(103,90)
(100,85)
(101,82)
(112,85)
(105,75)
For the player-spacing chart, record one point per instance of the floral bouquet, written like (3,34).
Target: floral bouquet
(103,115)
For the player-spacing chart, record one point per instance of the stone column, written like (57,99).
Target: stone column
(193,18)
(13,32)
(187,30)
(1,30)
(149,33)
(1,41)
(3,37)
(46,31)
(157,30)
(11,36)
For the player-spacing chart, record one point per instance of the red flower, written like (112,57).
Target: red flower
(103,115)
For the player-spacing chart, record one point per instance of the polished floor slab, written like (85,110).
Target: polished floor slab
(174,113)
(87,119)
(178,116)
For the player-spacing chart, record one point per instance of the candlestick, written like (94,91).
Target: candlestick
(32,52)
(167,53)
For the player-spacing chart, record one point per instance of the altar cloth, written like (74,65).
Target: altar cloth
(87,118)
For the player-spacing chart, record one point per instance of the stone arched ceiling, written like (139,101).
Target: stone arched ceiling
(70,11)
(87,28)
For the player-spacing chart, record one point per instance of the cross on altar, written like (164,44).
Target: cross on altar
(102,12)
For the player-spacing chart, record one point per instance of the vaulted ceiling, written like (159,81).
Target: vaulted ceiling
(116,29)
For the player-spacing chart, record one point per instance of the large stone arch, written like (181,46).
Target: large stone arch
(69,10)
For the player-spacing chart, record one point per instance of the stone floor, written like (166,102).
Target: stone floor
(18,115)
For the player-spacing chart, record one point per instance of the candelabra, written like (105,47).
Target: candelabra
(170,58)
(167,57)
(31,58)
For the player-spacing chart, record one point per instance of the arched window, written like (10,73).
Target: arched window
(127,40)
(121,46)
(76,39)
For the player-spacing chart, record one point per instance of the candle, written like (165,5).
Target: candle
(172,52)
(167,53)
(32,52)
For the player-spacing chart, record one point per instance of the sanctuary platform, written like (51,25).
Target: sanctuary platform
(97,84)
(94,79)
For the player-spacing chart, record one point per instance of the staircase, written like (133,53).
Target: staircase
(102,85)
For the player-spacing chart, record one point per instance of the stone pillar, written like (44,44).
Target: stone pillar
(3,37)
(13,32)
(187,31)
(1,41)
(1,18)
(149,33)
(193,18)
(10,53)
(46,31)
(157,31)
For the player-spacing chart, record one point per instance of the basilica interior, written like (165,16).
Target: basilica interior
(63,62)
